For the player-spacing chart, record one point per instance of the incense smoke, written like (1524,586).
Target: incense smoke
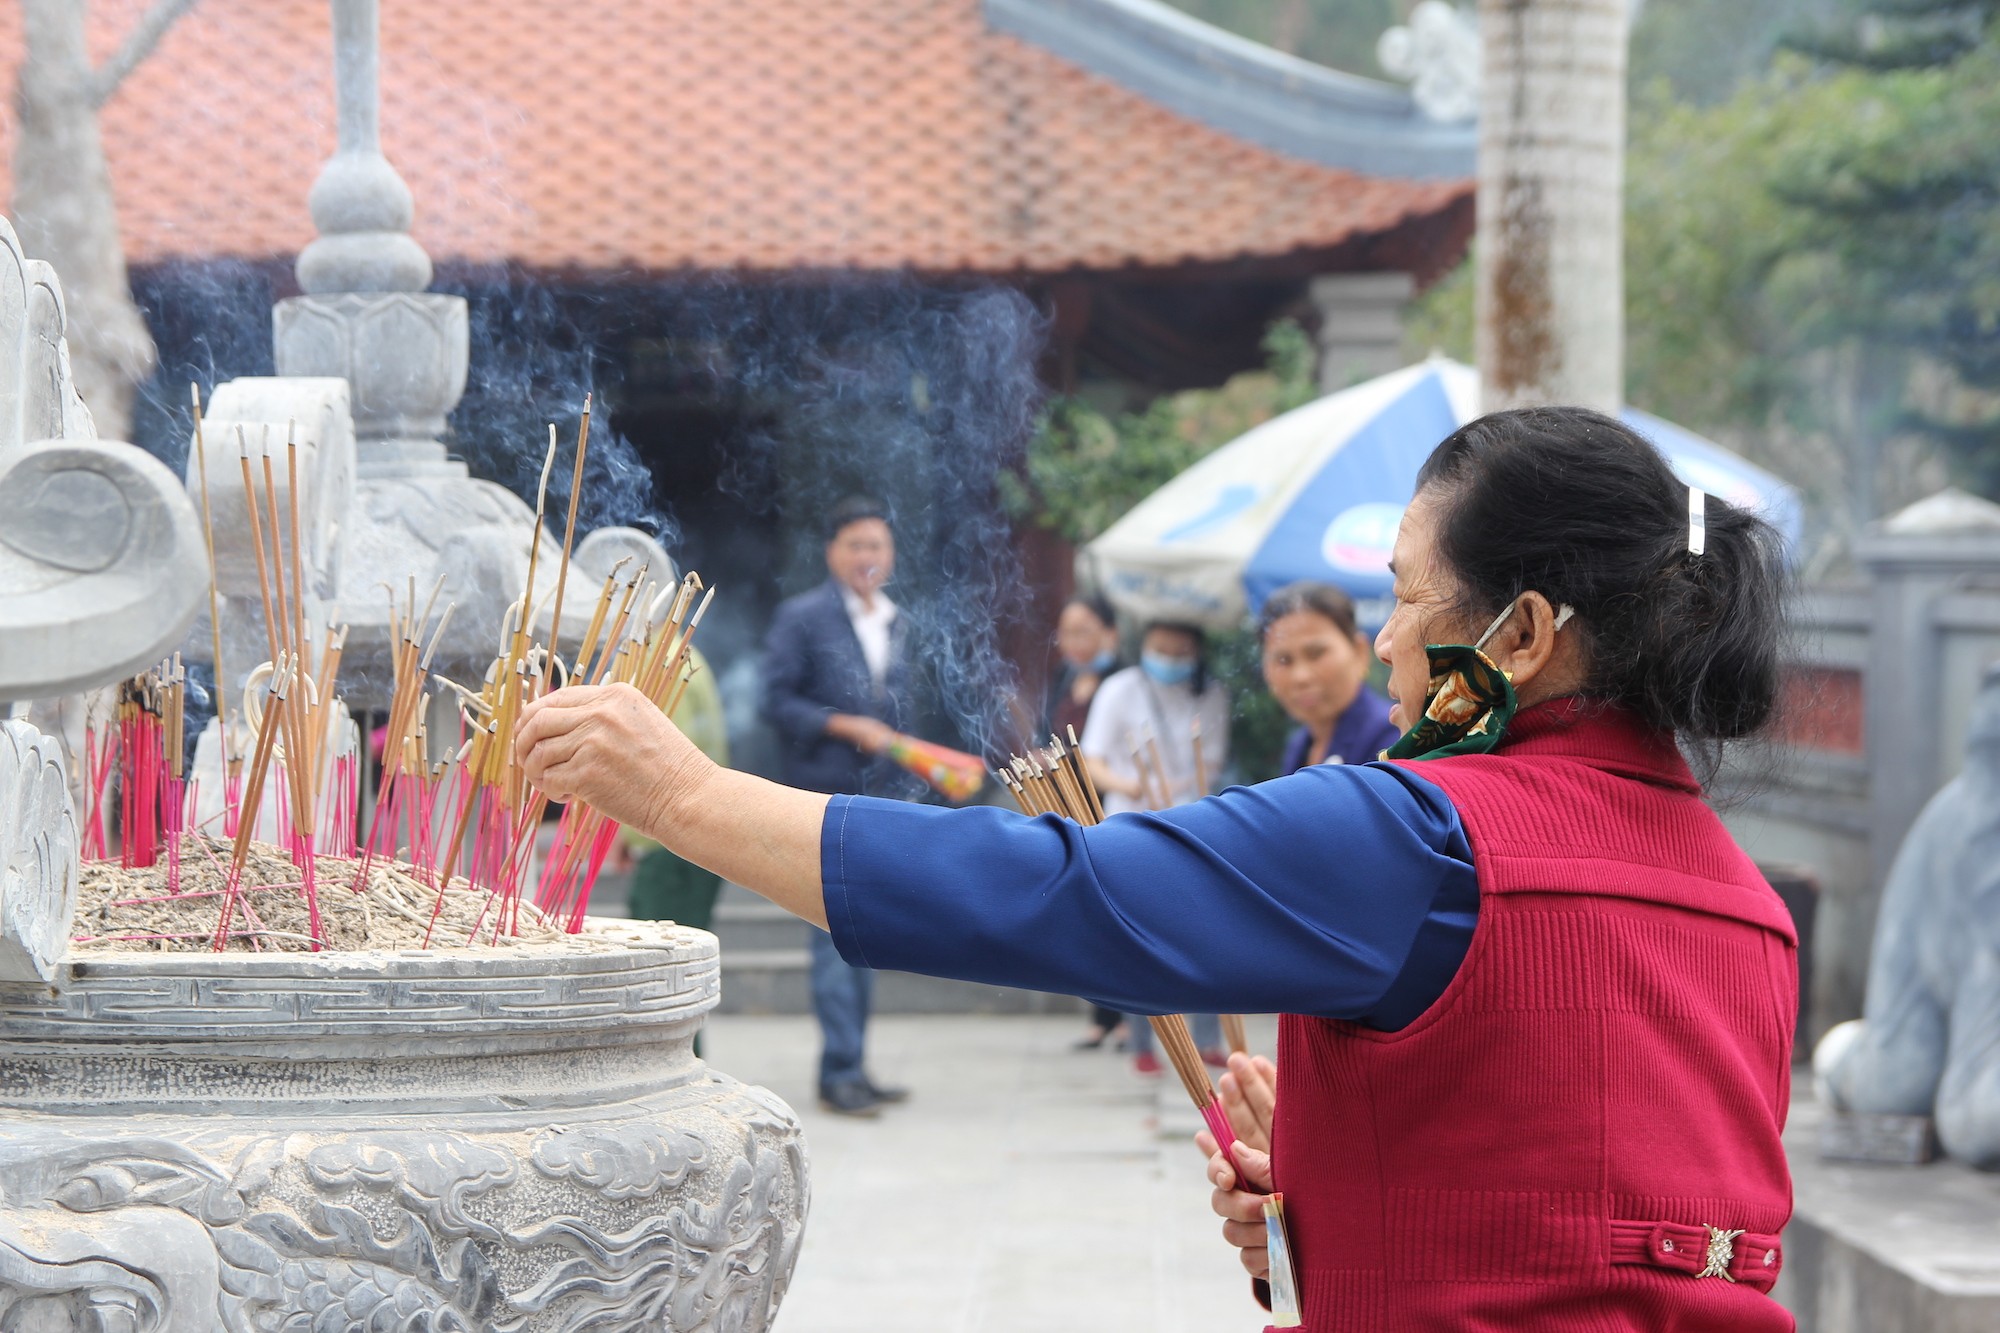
(761,404)
(532,363)
(920,396)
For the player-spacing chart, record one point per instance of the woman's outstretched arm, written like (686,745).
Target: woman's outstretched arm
(1345,892)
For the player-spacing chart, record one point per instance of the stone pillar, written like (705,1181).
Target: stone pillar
(1360,325)
(1551,299)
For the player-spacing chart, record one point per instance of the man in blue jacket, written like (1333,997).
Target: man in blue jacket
(837,689)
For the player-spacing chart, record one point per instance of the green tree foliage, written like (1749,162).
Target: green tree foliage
(1812,264)
(1704,50)
(1898,204)
(1086,468)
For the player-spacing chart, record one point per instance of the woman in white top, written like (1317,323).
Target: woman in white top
(1158,708)
(1158,705)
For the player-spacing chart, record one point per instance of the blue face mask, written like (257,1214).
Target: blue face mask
(1167,670)
(1103,662)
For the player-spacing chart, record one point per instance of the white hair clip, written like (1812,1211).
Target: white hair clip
(1697,520)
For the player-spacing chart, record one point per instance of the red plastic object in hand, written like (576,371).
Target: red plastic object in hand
(953,773)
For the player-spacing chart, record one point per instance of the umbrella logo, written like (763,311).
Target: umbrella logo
(1360,539)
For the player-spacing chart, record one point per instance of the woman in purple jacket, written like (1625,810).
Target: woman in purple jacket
(1316,665)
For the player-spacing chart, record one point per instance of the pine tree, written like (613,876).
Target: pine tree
(1901,201)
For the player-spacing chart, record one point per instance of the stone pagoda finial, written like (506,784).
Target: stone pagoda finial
(366,317)
(359,203)
(381,502)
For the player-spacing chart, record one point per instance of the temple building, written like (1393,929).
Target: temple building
(739,222)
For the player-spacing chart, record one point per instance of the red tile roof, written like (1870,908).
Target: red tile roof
(702,134)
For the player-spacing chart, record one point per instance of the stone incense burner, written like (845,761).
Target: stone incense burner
(437,1141)
(421,1140)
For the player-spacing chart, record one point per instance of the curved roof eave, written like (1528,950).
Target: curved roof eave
(1271,99)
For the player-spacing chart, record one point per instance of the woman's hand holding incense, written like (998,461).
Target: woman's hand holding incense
(1250,1096)
(611,748)
(1241,1210)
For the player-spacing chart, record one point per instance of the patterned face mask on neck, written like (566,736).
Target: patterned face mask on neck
(1470,700)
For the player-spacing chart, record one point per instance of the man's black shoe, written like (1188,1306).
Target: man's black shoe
(855,1099)
(882,1094)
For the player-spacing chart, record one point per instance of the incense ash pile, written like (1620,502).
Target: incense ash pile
(127,908)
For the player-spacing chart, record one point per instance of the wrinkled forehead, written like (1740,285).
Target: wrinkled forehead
(1412,559)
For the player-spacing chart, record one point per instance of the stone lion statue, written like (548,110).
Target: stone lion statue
(1929,1040)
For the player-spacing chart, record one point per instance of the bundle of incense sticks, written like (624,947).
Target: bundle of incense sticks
(1054,780)
(308,699)
(489,796)
(406,789)
(473,812)
(148,752)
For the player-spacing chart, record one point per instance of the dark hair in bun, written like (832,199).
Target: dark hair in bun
(1582,509)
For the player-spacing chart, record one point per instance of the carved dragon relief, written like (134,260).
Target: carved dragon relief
(550,1230)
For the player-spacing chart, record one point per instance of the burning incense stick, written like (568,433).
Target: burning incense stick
(1088,782)
(257,546)
(569,527)
(214,595)
(311,743)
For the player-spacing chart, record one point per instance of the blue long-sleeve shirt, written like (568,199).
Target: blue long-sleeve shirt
(1341,891)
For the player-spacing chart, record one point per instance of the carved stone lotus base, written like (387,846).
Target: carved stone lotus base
(518,1140)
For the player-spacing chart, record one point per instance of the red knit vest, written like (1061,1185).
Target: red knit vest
(1604,1080)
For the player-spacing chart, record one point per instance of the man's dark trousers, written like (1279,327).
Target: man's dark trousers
(842,996)
(814,667)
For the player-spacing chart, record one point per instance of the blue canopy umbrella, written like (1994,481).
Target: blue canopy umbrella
(1318,492)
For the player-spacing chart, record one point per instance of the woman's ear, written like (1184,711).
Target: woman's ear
(1527,640)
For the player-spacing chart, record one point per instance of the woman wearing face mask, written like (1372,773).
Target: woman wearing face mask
(1537,1005)
(1157,708)
(1316,665)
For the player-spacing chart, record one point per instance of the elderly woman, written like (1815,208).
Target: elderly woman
(1536,1037)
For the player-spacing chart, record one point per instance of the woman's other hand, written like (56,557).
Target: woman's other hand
(1250,1096)
(1241,1210)
(611,748)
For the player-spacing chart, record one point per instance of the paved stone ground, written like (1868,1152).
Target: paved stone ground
(1024,1186)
